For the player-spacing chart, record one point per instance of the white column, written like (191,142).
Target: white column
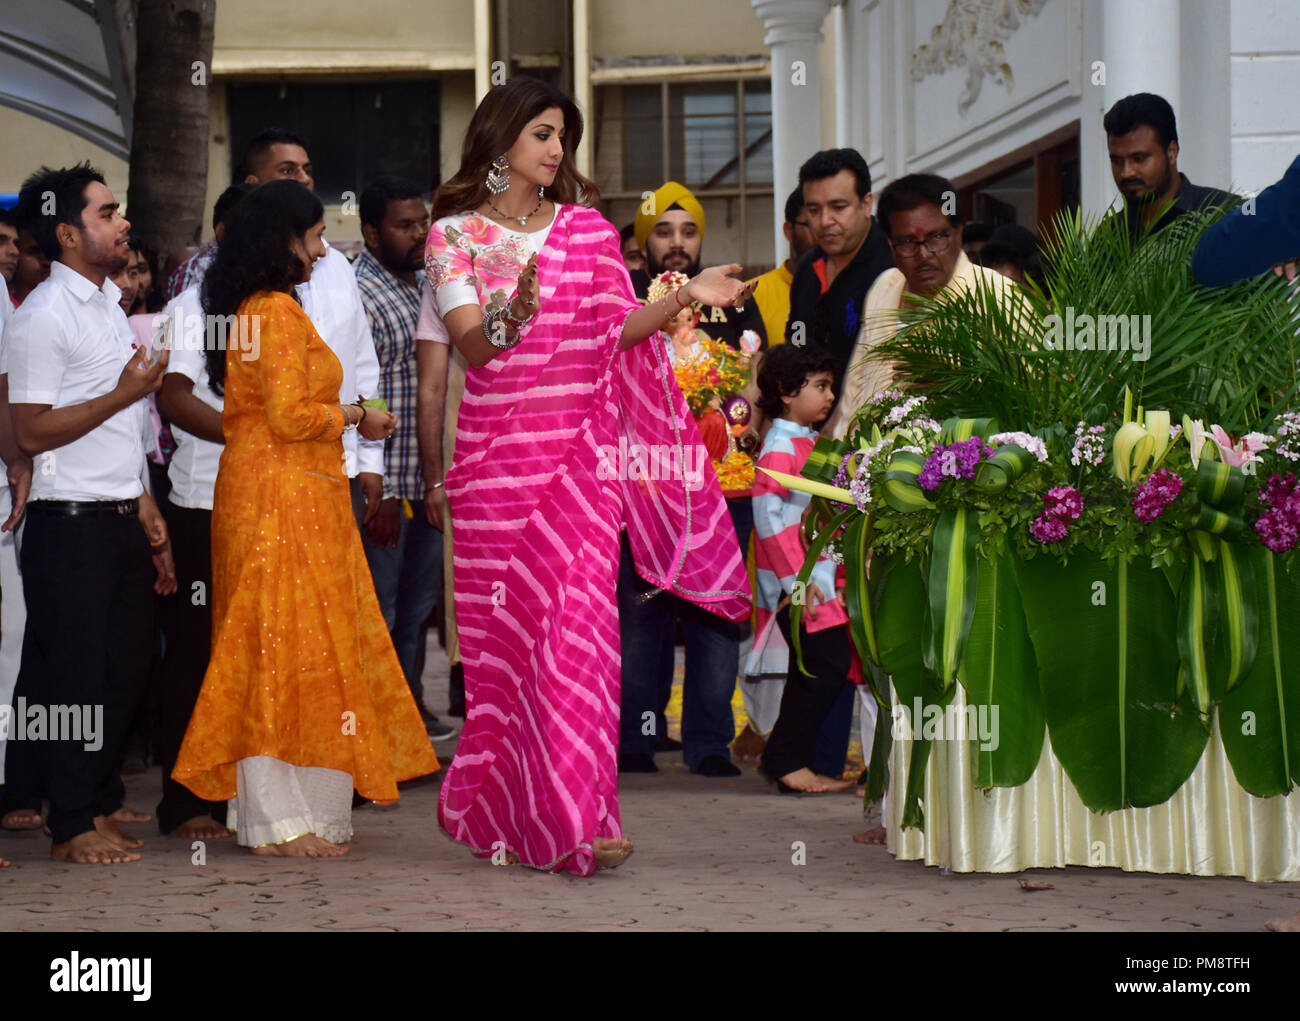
(1140,47)
(794,33)
(582,84)
(482,49)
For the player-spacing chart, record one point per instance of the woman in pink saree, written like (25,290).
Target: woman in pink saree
(572,429)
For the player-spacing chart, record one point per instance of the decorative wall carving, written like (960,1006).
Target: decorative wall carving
(971,36)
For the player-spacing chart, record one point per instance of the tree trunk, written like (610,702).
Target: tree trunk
(169,142)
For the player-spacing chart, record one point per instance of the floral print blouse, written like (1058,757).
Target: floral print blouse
(471,260)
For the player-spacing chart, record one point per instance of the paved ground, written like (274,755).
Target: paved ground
(711,854)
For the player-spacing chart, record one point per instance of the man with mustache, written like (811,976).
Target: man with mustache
(1142,139)
(669,229)
(403,548)
(831,281)
(76,389)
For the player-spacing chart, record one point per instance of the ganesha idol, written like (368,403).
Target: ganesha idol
(712,377)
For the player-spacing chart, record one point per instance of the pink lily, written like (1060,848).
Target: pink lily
(1243,451)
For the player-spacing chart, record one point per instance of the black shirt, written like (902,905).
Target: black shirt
(834,317)
(725,324)
(1190,197)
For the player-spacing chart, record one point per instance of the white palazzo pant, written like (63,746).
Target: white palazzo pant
(13,614)
(277,802)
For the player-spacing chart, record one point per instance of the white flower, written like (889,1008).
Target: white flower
(1030,443)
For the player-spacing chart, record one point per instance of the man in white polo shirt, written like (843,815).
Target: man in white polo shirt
(76,389)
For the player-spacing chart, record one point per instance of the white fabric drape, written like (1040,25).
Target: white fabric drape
(279,802)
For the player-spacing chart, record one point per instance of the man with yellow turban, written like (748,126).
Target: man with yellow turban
(670,230)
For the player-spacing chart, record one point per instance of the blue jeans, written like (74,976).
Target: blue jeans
(647,630)
(408,578)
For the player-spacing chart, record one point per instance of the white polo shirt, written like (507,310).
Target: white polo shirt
(332,301)
(65,344)
(193,468)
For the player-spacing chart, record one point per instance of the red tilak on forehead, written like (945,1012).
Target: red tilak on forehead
(918,233)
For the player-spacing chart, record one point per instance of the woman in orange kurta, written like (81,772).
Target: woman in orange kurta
(304,698)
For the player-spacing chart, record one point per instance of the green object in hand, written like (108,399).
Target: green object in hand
(378,403)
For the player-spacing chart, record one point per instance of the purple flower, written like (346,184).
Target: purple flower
(1046,529)
(958,460)
(1062,502)
(1155,494)
(1278,491)
(1276,532)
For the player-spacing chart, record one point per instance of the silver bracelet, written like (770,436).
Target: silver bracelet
(494,325)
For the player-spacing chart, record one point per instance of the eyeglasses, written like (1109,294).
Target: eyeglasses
(935,244)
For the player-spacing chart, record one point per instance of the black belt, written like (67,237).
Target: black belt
(73,508)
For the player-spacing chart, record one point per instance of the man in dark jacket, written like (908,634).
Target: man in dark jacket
(831,281)
(1263,232)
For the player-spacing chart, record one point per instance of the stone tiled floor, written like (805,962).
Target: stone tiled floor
(711,855)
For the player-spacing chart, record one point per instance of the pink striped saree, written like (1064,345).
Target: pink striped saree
(562,442)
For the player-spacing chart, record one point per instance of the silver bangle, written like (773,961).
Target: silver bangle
(494,324)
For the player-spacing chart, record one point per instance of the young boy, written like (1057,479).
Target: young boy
(795,391)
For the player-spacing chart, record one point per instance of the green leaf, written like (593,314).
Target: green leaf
(1108,663)
(952,586)
(1260,718)
(857,589)
(1000,676)
(378,403)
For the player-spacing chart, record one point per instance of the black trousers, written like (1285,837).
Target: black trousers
(90,623)
(806,701)
(187,633)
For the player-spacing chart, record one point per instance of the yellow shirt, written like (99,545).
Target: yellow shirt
(772,292)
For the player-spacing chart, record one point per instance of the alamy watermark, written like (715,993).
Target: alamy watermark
(1104,333)
(23,722)
(637,462)
(934,722)
(193,332)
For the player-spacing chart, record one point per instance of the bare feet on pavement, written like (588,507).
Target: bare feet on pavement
(22,819)
(125,814)
(610,853)
(814,783)
(875,835)
(90,848)
(1291,924)
(307,846)
(105,828)
(201,827)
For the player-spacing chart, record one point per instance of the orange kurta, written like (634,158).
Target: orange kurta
(302,666)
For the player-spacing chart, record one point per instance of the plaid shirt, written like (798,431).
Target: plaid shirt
(393,308)
(191,271)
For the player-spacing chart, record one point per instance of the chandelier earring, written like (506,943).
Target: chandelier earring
(498,176)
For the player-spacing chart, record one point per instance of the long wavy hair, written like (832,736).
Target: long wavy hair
(254,255)
(495,127)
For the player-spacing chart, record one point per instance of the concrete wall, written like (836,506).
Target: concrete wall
(689,28)
(1264,70)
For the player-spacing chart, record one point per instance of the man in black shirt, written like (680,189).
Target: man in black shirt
(1142,138)
(669,228)
(831,281)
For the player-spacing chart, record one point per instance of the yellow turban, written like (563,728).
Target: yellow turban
(652,208)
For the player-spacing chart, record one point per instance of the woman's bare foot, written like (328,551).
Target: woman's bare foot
(128,815)
(610,853)
(307,846)
(875,835)
(808,782)
(105,828)
(748,746)
(22,819)
(5,863)
(90,848)
(1291,924)
(201,827)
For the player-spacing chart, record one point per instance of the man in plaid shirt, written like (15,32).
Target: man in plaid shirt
(403,549)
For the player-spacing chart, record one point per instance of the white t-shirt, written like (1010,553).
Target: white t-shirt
(66,344)
(193,468)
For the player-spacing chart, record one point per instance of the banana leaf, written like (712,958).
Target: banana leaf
(952,587)
(1259,719)
(858,590)
(1000,676)
(816,544)
(1104,639)
(900,625)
